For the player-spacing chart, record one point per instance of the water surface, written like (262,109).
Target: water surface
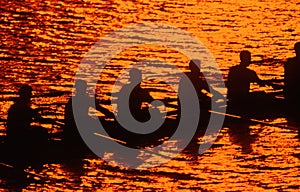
(43,42)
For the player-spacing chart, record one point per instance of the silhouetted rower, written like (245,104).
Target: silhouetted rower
(292,82)
(203,90)
(139,98)
(83,103)
(241,100)
(204,93)
(71,134)
(240,78)
(199,82)
(20,117)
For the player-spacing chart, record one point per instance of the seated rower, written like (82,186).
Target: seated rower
(240,99)
(71,134)
(204,91)
(291,83)
(239,79)
(139,99)
(206,94)
(20,117)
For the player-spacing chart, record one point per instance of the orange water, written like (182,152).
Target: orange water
(43,42)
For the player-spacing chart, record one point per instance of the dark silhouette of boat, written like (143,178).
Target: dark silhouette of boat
(261,106)
(240,98)
(57,150)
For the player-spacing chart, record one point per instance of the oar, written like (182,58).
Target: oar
(24,171)
(52,94)
(253,120)
(124,142)
(268,60)
(247,119)
(6,165)
(110,138)
(273,85)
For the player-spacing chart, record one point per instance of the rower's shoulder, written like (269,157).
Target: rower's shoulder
(291,60)
(18,106)
(235,67)
(185,76)
(292,65)
(240,70)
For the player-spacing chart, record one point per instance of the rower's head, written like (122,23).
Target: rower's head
(297,49)
(135,76)
(81,86)
(25,92)
(194,66)
(245,57)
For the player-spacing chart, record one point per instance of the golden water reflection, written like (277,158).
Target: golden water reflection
(43,42)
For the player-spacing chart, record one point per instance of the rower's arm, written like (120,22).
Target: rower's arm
(217,95)
(103,110)
(261,82)
(273,84)
(256,79)
(38,117)
(147,97)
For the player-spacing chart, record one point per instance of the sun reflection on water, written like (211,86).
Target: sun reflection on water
(43,42)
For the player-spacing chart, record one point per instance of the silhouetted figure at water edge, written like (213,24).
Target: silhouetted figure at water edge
(292,83)
(20,132)
(139,98)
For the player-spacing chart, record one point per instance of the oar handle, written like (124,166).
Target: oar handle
(253,120)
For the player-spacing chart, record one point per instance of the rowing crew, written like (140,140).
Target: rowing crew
(21,115)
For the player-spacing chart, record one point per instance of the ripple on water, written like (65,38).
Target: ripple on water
(44,41)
